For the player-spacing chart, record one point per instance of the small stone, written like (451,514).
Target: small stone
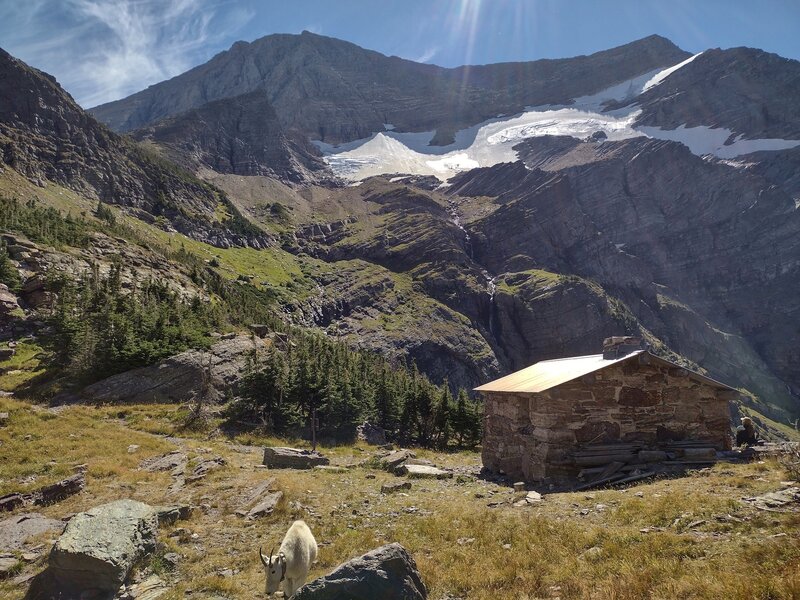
(639,494)
(519,486)
(506,546)
(172,559)
(390,488)
(533,497)
(133,448)
(464,541)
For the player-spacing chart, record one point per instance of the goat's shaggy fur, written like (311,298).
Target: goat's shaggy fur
(291,565)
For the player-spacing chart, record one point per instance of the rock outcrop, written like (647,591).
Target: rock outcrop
(100,546)
(388,572)
(45,135)
(241,136)
(180,377)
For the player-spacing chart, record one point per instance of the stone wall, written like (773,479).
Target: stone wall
(533,436)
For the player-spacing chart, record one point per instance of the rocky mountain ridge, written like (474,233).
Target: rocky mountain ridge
(334,91)
(46,136)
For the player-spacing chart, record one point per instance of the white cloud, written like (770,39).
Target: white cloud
(108,49)
(427,55)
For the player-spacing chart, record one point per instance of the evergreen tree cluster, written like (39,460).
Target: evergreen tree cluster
(308,374)
(99,329)
(104,324)
(43,224)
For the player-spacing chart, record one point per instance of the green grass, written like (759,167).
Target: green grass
(514,282)
(22,367)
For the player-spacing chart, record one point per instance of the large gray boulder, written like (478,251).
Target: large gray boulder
(100,546)
(388,573)
(178,378)
(278,457)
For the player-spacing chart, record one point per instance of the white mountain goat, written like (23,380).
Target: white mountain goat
(293,561)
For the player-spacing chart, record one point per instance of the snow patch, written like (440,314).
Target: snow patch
(492,141)
(702,140)
(662,75)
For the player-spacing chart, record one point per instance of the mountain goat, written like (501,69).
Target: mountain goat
(290,567)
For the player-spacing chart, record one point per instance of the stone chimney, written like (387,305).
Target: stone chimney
(620,345)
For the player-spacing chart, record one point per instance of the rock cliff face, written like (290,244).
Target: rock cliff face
(45,135)
(334,91)
(746,90)
(240,135)
(663,231)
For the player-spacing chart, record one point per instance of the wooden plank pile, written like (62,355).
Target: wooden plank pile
(620,463)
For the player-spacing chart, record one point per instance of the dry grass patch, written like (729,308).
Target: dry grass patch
(574,545)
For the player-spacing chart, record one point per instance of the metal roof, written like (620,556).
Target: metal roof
(549,373)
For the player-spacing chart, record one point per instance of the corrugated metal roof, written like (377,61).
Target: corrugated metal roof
(550,373)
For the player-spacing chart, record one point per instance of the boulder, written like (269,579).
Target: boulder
(424,472)
(100,546)
(372,434)
(277,457)
(179,378)
(388,573)
(17,530)
(392,461)
(266,506)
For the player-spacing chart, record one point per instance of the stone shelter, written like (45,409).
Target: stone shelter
(557,416)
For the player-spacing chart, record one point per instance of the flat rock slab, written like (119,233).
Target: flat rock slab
(17,530)
(331,469)
(166,462)
(204,467)
(278,457)
(388,573)
(424,472)
(100,546)
(787,500)
(394,460)
(61,489)
(266,506)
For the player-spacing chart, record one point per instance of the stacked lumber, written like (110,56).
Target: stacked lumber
(620,463)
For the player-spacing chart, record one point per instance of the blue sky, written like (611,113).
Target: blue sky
(101,50)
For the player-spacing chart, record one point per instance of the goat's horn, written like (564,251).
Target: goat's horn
(261,555)
(271,552)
